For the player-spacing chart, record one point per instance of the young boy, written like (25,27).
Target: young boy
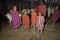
(9,16)
(26,21)
(33,18)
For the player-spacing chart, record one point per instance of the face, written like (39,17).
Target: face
(40,14)
(10,11)
(14,8)
(56,7)
(41,3)
(32,10)
(25,12)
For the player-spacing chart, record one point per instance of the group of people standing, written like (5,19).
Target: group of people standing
(36,20)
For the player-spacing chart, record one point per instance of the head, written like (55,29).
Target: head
(10,11)
(15,8)
(25,12)
(57,7)
(32,10)
(40,14)
(28,11)
(41,3)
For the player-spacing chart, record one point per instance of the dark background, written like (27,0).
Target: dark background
(5,5)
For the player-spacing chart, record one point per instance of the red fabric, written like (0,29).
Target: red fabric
(26,21)
(33,17)
(41,8)
(37,8)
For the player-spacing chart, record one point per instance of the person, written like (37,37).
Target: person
(33,18)
(8,15)
(26,21)
(43,9)
(50,11)
(40,23)
(37,8)
(16,19)
(55,16)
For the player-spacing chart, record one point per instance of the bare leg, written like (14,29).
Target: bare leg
(24,28)
(22,25)
(10,22)
(31,25)
(42,35)
(28,28)
(34,29)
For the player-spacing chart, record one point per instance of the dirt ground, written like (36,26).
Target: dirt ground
(7,33)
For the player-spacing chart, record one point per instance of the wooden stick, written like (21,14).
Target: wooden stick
(48,22)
